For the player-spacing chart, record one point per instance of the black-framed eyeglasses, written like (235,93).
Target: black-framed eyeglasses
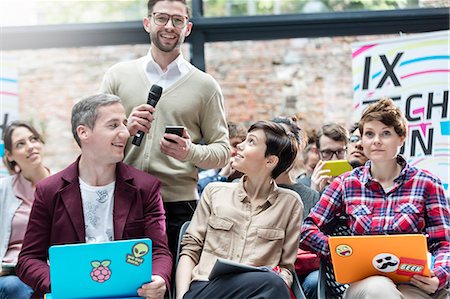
(328,154)
(354,138)
(161,19)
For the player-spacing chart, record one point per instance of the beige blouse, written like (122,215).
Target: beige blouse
(224,225)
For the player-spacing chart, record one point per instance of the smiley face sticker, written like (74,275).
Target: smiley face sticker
(344,250)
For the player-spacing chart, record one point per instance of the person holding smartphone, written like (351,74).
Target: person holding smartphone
(331,145)
(190,98)
(23,158)
(386,196)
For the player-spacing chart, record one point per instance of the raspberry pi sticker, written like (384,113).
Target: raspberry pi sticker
(101,272)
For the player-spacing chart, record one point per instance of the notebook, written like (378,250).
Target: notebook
(396,256)
(100,270)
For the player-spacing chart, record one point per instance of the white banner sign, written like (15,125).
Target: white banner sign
(414,71)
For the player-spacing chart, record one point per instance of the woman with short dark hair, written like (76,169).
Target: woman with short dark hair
(253,222)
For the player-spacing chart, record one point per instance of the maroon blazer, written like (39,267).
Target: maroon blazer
(57,218)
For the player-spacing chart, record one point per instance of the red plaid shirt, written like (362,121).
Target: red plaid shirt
(415,205)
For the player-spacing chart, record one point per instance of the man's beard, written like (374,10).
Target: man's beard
(156,42)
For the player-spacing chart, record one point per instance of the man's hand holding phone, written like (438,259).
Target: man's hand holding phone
(176,142)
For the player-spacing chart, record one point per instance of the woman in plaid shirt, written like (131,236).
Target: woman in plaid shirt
(386,196)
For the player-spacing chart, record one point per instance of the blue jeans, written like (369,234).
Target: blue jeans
(12,287)
(309,284)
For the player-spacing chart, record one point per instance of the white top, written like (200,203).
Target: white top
(98,203)
(175,70)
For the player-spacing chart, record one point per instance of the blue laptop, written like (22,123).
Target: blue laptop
(100,270)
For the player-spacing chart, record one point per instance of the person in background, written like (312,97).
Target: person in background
(190,98)
(23,157)
(288,179)
(307,262)
(392,197)
(355,152)
(96,199)
(331,144)
(252,221)
(310,159)
(236,134)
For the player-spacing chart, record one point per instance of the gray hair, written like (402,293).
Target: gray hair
(85,112)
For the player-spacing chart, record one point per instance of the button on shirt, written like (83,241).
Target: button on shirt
(225,225)
(416,204)
(175,71)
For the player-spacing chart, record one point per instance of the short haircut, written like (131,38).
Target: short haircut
(279,143)
(235,130)
(333,131)
(85,112)
(385,111)
(151,4)
(7,139)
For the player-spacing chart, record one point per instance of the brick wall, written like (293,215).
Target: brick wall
(260,79)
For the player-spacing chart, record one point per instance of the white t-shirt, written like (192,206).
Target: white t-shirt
(98,203)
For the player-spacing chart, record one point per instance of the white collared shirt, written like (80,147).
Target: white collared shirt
(175,70)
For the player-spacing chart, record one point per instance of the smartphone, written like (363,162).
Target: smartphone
(337,167)
(176,130)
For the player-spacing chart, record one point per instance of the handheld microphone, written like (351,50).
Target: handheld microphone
(153,97)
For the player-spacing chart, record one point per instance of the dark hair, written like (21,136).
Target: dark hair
(354,127)
(299,134)
(279,143)
(7,139)
(151,4)
(85,111)
(333,131)
(235,130)
(385,111)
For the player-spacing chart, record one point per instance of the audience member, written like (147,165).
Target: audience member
(288,179)
(96,199)
(252,221)
(307,262)
(331,144)
(355,153)
(190,98)
(23,157)
(236,133)
(392,197)
(310,159)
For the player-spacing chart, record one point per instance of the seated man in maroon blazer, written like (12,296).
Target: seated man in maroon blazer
(96,199)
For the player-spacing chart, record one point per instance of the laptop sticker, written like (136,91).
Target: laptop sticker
(138,251)
(386,262)
(344,250)
(410,267)
(101,271)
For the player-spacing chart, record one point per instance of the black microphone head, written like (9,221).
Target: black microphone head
(156,90)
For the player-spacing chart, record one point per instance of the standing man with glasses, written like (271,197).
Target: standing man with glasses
(331,144)
(190,98)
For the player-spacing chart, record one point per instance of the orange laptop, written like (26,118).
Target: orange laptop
(396,256)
